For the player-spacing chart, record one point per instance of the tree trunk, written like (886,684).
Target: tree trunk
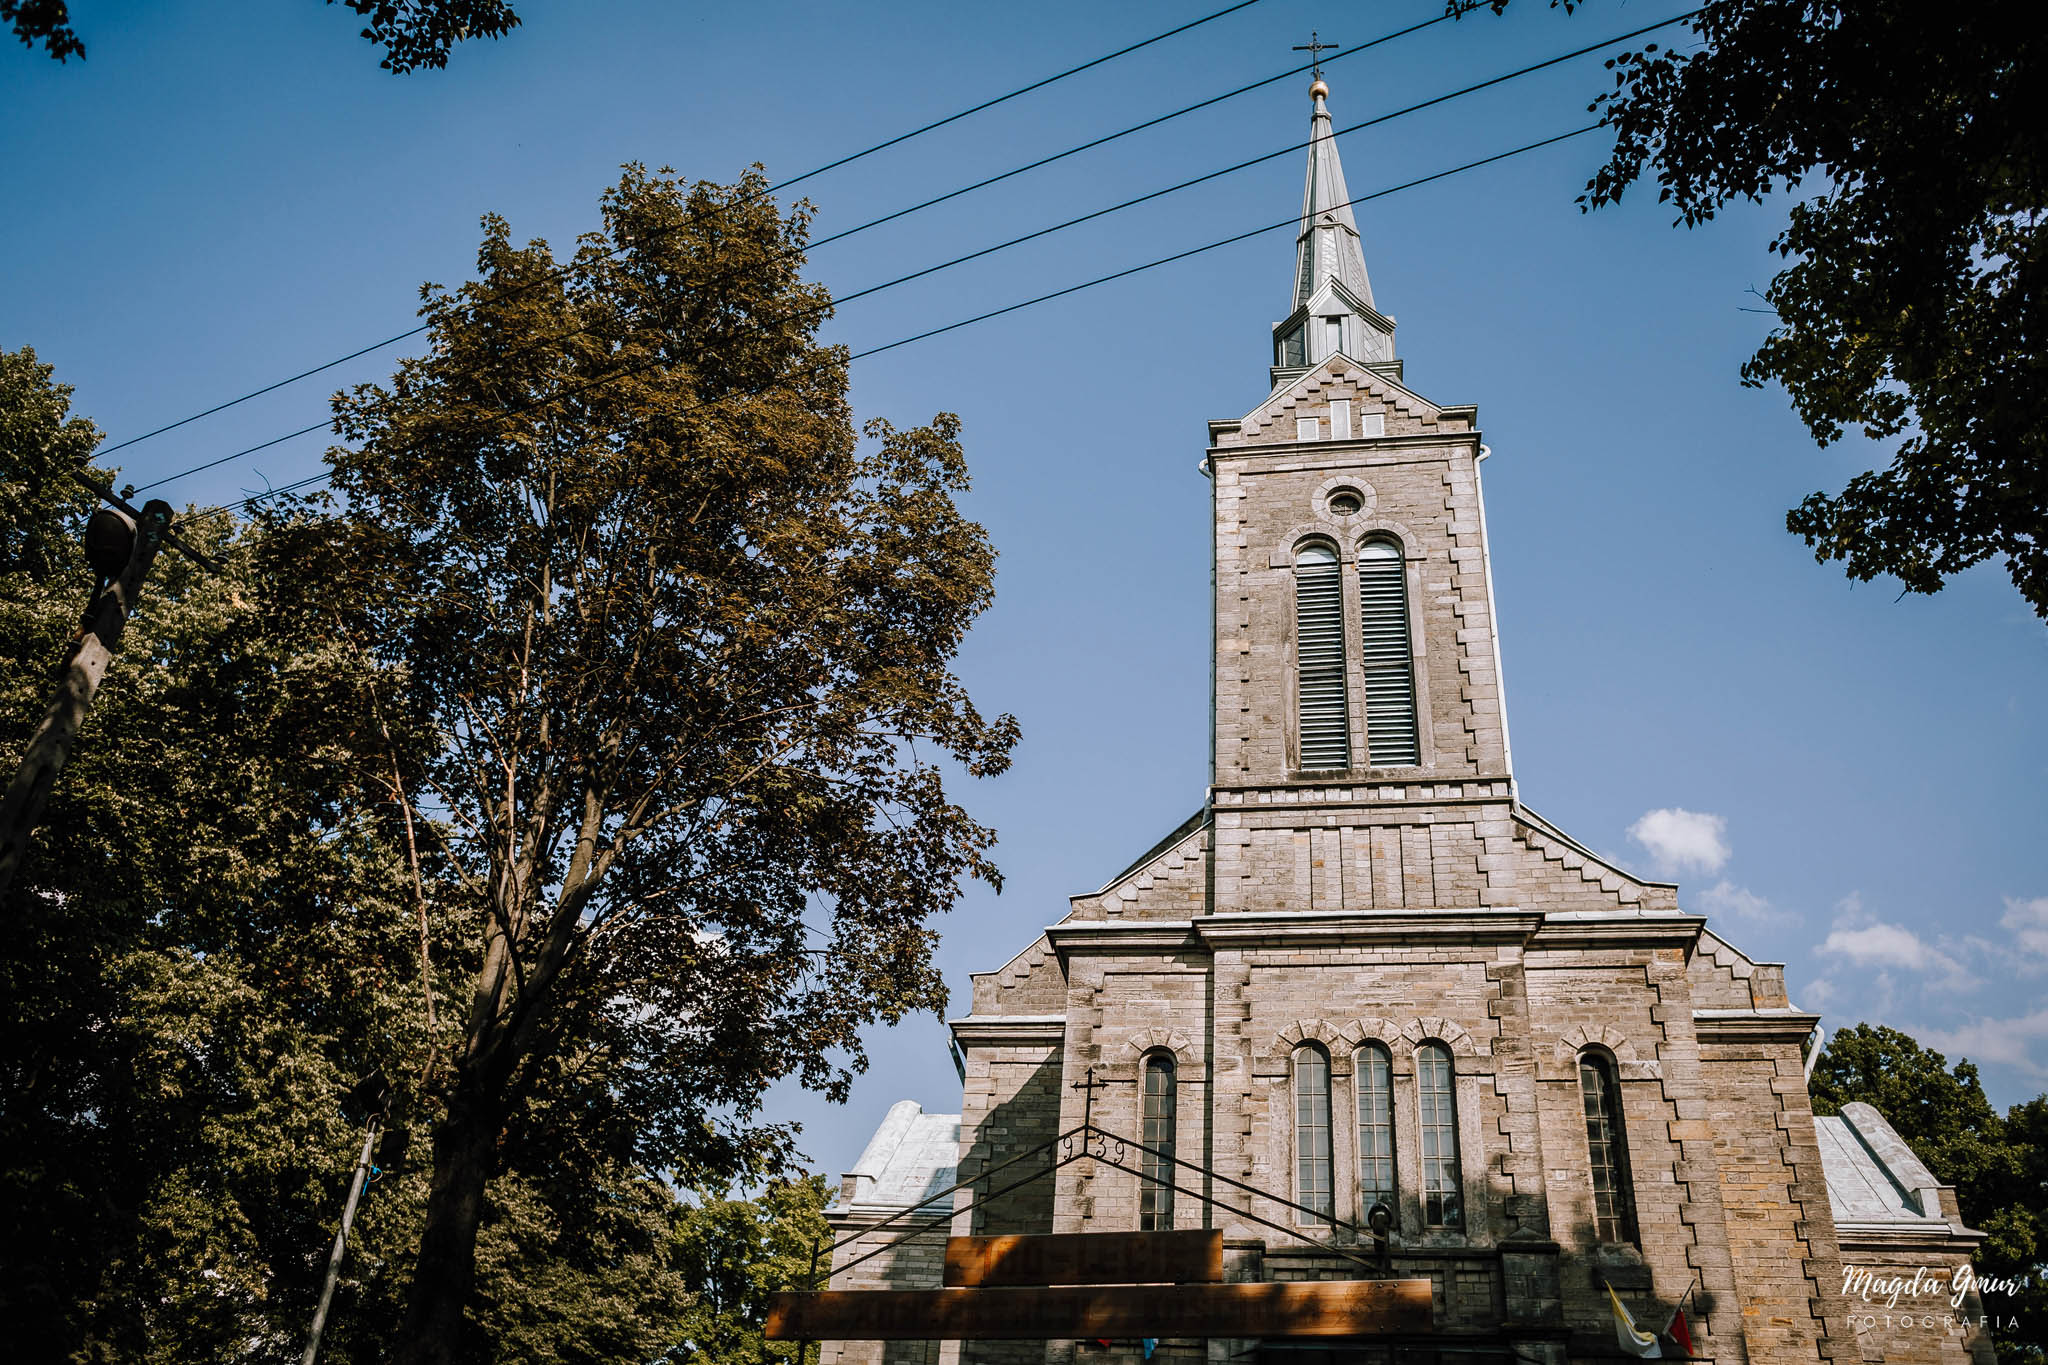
(444,1277)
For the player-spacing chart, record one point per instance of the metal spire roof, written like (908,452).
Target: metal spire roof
(1327,245)
(1332,310)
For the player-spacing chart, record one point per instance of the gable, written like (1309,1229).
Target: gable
(1724,977)
(1031,983)
(1555,872)
(1405,412)
(1168,882)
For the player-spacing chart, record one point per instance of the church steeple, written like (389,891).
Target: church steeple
(1332,303)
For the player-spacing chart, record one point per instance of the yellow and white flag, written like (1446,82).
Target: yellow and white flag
(1633,1340)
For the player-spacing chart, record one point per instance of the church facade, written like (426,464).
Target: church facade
(1365,973)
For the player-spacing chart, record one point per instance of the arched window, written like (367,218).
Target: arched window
(1375,1071)
(1155,1166)
(1384,653)
(1319,651)
(1442,1205)
(1313,1177)
(1614,1205)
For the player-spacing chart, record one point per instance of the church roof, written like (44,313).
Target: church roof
(1877,1188)
(911,1157)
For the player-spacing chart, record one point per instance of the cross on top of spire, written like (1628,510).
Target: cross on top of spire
(1315,47)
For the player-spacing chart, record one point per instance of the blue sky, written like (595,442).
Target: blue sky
(224,194)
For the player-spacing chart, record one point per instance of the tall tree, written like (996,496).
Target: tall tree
(217,932)
(205,939)
(1914,302)
(685,643)
(413,33)
(732,1254)
(1998,1163)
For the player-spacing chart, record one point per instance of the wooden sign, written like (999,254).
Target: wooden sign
(1318,1308)
(1191,1257)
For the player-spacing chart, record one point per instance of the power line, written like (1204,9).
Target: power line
(1126,132)
(770,189)
(1233,239)
(229,459)
(1254,161)
(1101,212)
(1290,221)
(1025,90)
(849,232)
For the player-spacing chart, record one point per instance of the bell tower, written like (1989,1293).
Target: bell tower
(1357,675)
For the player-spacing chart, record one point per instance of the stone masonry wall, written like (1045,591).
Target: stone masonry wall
(1925,1329)
(1009,1105)
(916,1260)
(1781,1231)
(1398,846)
(1628,1000)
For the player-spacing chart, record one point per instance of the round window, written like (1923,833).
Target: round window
(1345,502)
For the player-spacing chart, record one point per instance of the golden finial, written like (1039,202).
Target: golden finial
(1315,47)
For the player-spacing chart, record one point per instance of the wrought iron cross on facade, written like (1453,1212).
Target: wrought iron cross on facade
(1088,1089)
(1315,47)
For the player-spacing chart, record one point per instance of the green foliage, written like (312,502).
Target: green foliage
(44,21)
(1912,300)
(683,644)
(203,944)
(215,934)
(417,33)
(413,33)
(734,1253)
(585,773)
(1998,1164)
(42,509)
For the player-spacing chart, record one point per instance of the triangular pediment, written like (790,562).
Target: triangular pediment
(1334,290)
(1403,411)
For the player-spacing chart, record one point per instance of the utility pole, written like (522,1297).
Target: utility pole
(356,1183)
(121,544)
(369,1100)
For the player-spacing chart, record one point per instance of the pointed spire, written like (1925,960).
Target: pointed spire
(1327,245)
(1332,307)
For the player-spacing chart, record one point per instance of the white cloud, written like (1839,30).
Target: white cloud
(1737,902)
(1820,993)
(1682,839)
(1863,941)
(1882,945)
(2027,922)
(2006,1042)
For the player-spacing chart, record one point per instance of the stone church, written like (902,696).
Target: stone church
(1366,973)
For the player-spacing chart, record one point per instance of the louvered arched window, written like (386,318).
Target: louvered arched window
(1155,1165)
(1313,1175)
(1614,1213)
(1375,1072)
(1442,1203)
(1385,656)
(1319,655)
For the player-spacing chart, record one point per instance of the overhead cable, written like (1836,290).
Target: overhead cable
(770,189)
(1290,221)
(1096,213)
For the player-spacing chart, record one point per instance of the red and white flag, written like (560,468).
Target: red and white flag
(1678,1331)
